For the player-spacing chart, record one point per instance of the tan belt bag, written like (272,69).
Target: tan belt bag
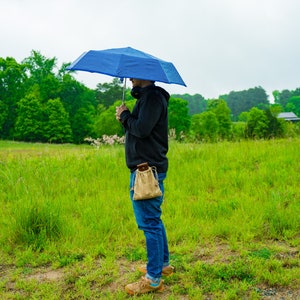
(146,184)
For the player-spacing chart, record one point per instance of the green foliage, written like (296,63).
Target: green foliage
(12,87)
(282,97)
(239,102)
(36,78)
(179,119)
(83,122)
(212,124)
(108,93)
(243,117)
(3,113)
(238,131)
(293,105)
(257,124)
(196,103)
(57,127)
(40,72)
(80,103)
(29,123)
(275,125)
(222,112)
(90,113)
(205,126)
(288,100)
(46,122)
(106,123)
(39,66)
(264,124)
(275,109)
(74,95)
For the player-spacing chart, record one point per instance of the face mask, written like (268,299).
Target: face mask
(136,92)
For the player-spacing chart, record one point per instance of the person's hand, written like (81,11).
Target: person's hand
(119,110)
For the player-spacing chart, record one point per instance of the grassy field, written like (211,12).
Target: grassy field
(232,213)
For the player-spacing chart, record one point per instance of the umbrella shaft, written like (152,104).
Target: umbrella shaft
(124,89)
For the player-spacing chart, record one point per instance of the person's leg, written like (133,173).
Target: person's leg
(166,258)
(147,214)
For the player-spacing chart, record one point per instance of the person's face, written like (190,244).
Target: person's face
(136,82)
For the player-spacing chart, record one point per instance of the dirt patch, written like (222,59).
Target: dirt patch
(47,275)
(212,254)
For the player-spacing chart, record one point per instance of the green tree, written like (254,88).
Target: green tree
(282,97)
(205,126)
(245,100)
(108,93)
(80,103)
(12,80)
(276,96)
(276,109)
(71,94)
(57,127)
(221,110)
(293,105)
(243,117)
(196,103)
(179,118)
(275,125)
(238,131)
(41,72)
(3,116)
(83,124)
(106,122)
(257,125)
(38,66)
(30,120)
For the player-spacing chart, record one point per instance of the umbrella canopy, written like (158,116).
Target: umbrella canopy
(127,63)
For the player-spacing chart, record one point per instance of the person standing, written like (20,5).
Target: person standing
(146,140)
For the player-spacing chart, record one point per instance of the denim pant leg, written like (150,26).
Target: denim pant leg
(148,218)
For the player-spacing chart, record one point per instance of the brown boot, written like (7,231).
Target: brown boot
(143,286)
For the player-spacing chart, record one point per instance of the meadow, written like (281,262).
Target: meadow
(231,210)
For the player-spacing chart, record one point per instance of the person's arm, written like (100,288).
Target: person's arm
(149,113)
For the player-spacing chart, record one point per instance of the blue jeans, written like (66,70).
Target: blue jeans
(147,214)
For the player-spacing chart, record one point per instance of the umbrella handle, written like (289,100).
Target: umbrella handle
(124,88)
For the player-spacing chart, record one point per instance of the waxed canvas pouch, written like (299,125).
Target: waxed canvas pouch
(146,184)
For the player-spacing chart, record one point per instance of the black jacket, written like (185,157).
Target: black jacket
(146,128)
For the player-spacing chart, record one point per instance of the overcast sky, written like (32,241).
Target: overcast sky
(216,45)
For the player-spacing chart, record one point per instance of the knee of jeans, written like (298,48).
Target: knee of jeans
(150,224)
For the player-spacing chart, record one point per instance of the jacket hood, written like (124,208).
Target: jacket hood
(137,91)
(163,92)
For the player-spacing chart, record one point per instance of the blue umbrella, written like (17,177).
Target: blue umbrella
(127,63)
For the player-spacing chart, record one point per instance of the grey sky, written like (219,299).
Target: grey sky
(216,45)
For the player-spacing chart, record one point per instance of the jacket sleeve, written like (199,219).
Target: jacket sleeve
(150,110)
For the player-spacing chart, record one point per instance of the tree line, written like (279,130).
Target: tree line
(40,102)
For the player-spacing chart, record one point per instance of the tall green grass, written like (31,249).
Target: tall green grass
(66,204)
